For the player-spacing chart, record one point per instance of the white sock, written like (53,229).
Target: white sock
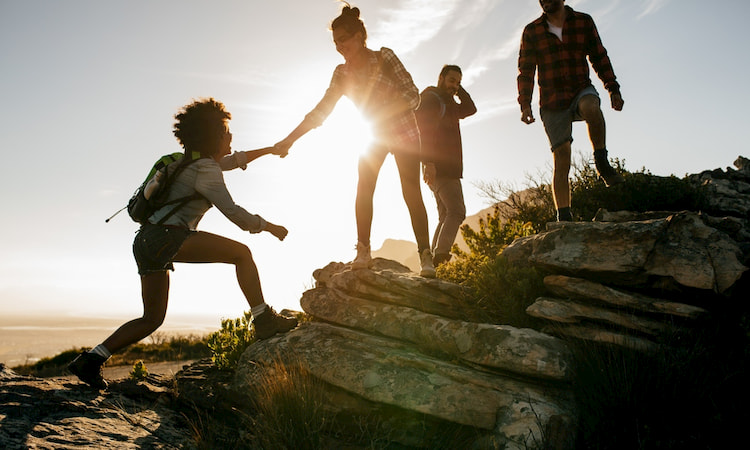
(258,310)
(101,350)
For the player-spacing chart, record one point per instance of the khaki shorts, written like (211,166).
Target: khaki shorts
(559,123)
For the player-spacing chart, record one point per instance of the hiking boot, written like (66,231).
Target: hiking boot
(88,368)
(440,258)
(269,323)
(564,215)
(606,172)
(425,261)
(362,261)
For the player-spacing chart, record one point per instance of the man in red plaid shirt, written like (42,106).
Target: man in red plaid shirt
(557,44)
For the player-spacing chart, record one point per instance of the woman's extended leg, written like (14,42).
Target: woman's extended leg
(203,247)
(154,292)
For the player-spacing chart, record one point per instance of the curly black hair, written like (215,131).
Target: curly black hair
(200,125)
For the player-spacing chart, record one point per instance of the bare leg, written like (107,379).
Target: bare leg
(589,108)
(155,292)
(203,247)
(561,170)
(408,169)
(369,167)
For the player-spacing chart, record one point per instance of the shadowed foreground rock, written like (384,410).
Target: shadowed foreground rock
(378,339)
(57,413)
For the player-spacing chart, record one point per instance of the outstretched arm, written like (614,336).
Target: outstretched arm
(317,116)
(282,147)
(242,159)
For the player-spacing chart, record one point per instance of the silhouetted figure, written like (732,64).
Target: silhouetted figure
(442,154)
(202,127)
(382,89)
(557,44)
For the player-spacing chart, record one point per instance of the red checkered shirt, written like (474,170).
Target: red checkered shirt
(563,69)
(372,91)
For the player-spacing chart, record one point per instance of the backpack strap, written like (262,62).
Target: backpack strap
(182,201)
(442,103)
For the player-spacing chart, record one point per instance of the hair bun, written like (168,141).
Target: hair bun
(350,11)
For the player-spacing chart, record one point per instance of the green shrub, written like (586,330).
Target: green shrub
(640,192)
(139,372)
(228,343)
(499,291)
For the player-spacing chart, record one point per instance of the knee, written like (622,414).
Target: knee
(153,321)
(461,213)
(243,255)
(589,109)
(561,154)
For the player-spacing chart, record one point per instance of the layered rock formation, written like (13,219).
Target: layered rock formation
(385,338)
(407,352)
(632,278)
(389,337)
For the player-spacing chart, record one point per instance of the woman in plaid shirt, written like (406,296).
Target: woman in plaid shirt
(557,45)
(382,89)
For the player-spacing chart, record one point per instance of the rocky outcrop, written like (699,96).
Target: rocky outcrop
(389,337)
(678,251)
(58,413)
(726,192)
(628,278)
(407,352)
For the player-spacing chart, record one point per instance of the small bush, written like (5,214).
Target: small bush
(139,372)
(228,343)
(501,292)
(640,192)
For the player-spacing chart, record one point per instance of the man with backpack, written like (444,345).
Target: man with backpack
(169,234)
(442,154)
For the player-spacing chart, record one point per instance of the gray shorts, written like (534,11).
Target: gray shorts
(559,123)
(155,246)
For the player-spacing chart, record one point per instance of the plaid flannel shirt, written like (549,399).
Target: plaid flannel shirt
(372,91)
(563,69)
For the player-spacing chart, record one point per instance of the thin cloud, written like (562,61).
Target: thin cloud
(472,13)
(501,52)
(415,21)
(651,7)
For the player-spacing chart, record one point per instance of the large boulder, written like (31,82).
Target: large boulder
(679,251)
(390,338)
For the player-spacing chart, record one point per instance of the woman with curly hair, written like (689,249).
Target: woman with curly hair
(382,89)
(170,235)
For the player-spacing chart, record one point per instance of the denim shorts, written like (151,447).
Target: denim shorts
(559,123)
(155,246)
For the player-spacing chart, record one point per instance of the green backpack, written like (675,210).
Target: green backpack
(152,194)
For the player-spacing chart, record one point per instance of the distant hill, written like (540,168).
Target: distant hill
(405,252)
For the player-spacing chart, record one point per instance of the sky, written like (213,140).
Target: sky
(89,89)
